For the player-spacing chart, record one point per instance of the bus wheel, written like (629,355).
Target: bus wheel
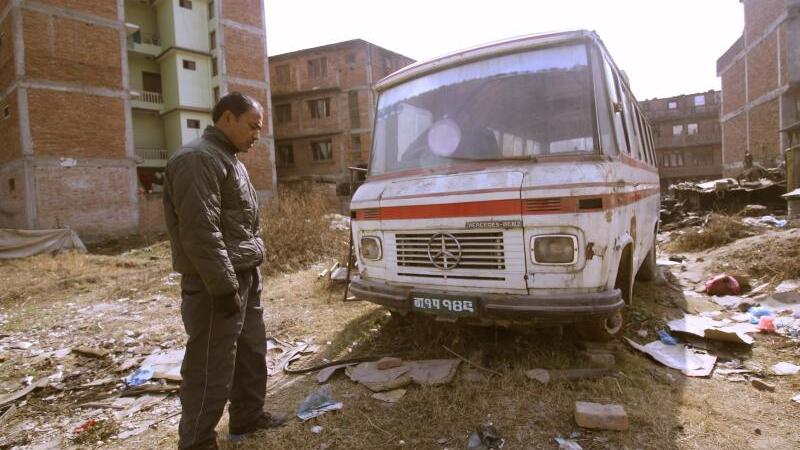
(601,330)
(648,270)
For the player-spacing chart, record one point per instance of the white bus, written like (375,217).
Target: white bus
(513,183)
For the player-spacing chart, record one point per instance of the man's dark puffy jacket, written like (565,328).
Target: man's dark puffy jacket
(211,210)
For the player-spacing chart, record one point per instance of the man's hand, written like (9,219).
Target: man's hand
(228,305)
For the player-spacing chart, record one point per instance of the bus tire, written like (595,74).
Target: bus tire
(648,270)
(601,330)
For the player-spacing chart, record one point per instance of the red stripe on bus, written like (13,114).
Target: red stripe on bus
(500,207)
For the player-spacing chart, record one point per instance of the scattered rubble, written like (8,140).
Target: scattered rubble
(545,376)
(318,403)
(601,417)
(691,362)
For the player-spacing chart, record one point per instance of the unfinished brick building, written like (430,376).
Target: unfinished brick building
(95,95)
(324,107)
(687,136)
(760,84)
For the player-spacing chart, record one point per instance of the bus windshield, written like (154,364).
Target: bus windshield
(513,106)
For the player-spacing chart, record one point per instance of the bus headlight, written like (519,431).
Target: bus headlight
(371,248)
(555,249)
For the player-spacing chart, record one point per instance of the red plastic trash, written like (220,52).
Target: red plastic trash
(766,323)
(723,285)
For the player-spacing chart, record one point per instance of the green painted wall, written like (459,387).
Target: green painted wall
(138,64)
(148,130)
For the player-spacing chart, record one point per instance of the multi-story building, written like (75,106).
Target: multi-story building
(687,136)
(95,95)
(761,84)
(324,107)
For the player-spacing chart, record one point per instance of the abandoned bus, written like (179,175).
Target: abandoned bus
(513,183)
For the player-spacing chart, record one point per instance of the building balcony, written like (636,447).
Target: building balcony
(152,101)
(688,140)
(144,43)
(152,157)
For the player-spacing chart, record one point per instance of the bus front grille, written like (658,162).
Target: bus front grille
(480,250)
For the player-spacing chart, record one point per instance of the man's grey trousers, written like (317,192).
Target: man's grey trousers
(225,360)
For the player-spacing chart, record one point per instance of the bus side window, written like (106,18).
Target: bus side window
(642,138)
(604,107)
(630,121)
(613,94)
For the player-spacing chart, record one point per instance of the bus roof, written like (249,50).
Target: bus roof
(511,45)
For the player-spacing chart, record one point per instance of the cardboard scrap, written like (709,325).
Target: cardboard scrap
(166,365)
(391,396)
(785,368)
(426,373)
(708,328)
(325,374)
(689,361)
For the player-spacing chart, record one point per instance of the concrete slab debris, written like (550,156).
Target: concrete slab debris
(325,374)
(785,368)
(388,363)
(762,385)
(426,373)
(707,328)
(601,417)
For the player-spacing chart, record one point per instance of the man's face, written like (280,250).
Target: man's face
(243,131)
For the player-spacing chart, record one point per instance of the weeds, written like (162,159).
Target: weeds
(719,230)
(296,232)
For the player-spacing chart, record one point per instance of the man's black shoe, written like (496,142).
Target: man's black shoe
(265,422)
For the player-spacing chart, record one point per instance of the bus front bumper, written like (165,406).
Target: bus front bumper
(542,308)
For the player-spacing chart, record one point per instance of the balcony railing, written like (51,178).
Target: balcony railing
(156,154)
(151,97)
(141,37)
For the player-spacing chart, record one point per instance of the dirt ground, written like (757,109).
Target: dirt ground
(127,303)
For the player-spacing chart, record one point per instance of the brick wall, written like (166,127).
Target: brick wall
(151,214)
(60,49)
(244,54)
(759,14)
(63,194)
(733,88)
(7,68)
(764,137)
(353,73)
(304,165)
(12,196)
(247,12)
(76,125)
(9,132)
(103,8)
(734,135)
(762,67)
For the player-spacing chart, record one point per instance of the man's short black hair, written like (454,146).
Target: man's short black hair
(235,102)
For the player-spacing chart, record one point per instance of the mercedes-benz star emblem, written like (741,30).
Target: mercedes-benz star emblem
(444,251)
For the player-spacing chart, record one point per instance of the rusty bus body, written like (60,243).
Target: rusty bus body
(511,183)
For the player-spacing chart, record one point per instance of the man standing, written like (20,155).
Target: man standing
(211,212)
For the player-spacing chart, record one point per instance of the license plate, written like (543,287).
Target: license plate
(445,305)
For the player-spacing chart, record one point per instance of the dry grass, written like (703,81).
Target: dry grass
(296,232)
(772,259)
(719,230)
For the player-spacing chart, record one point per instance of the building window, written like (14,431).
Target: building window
(12,185)
(355,115)
(322,150)
(387,65)
(350,58)
(216,95)
(210,9)
(691,128)
(189,64)
(317,68)
(673,160)
(355,146)
(677,130)
(283,113)
(185,4)
(320,108)
(283,74)
(212,40)
(193,124)
(699,100)
(214,69)
(285,156)
(702,159)
(6,111)
(672,105)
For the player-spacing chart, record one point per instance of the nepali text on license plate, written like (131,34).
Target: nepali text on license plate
(437,304)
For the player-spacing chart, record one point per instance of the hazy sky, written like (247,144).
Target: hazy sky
(667,47)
